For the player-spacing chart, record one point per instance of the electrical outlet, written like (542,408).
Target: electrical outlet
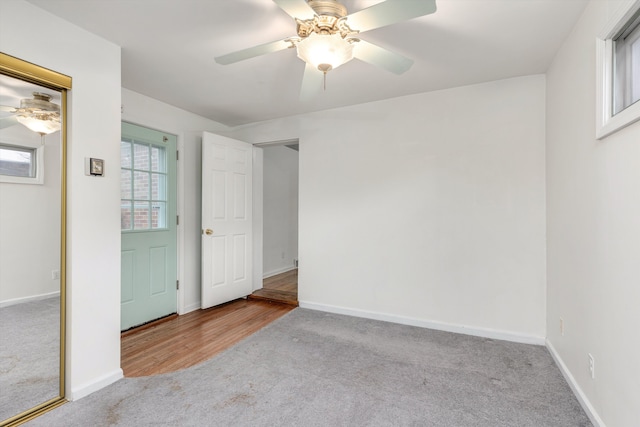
(561,326)
(55,274)
(592,367)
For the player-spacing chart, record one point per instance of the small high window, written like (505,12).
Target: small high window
(626,78)
(618,58)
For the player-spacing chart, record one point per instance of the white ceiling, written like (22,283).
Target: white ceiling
(168,50)
(13,90)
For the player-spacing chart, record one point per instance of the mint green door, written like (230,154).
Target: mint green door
(148,224)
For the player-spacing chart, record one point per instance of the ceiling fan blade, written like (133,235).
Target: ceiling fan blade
(296,8)
(8,109)
(312,83)
(8,121)
(381,57)
(389,12)
(252,52)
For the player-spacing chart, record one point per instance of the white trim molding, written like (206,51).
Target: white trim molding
(606,122)
(31,298)
(191,307)
(428,324)
(577,391)
(87,389)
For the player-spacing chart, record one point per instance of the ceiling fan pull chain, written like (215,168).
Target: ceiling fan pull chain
(324,82)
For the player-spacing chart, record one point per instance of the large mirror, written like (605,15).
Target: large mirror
(32,239)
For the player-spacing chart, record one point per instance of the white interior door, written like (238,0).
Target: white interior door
(227,242)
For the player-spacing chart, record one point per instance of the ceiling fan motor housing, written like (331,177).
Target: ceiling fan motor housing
(39,114)
(41,102)
(329,19)
(328,7)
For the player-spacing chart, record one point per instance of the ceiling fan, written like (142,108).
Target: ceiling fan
(38,114)
(327,37)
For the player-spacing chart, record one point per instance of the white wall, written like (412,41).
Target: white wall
(593,233)
(280,201)
(188,127)
(30,225)
(93,222)
(427,209)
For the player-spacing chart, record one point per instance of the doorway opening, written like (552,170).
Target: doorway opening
(280,172)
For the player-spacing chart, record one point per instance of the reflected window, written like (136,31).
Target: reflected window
(17,161)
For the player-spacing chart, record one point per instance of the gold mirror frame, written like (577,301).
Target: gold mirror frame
(32,73)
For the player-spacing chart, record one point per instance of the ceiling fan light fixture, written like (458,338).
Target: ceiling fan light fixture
(39,114)
(43,124)
(325,51)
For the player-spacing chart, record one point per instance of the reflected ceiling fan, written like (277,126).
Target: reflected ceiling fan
(38,114)
(327,36)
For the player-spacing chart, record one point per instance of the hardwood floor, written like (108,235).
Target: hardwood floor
(282,288)
(287,281)
(177,342)
(194,337)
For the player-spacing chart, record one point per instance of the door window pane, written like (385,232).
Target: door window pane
(143,186)
(158,215)
(158,159)
(125,154)
(158,187)
(141,213)
(125,184)
(125,215)
(141,156)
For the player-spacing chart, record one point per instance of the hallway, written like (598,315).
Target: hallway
(281,288)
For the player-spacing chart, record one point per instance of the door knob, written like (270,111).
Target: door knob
(208,232)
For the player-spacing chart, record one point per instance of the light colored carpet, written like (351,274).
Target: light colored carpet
(310,368)
(29,355)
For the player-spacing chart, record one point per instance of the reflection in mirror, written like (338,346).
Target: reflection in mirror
(31,245)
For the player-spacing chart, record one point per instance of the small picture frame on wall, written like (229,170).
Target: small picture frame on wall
(96,167)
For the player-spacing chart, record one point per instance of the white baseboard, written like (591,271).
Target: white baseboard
(429,324)
(278,271)
(577,391)
(15,301)
(87,389)
(192,307)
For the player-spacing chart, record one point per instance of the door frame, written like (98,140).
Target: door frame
(258,206)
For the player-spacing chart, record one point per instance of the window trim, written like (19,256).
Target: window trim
(606,122)
(38,158)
